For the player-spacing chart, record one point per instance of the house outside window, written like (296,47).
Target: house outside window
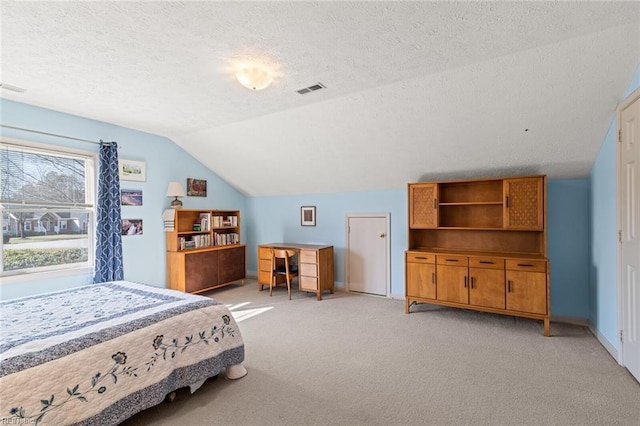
(39,185)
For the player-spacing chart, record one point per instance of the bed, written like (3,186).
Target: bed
(100,353)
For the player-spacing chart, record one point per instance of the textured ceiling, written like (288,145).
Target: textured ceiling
(415,90)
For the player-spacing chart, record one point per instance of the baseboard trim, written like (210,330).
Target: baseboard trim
(605,342)
(570,320)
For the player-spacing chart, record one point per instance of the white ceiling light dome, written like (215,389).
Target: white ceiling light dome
(254,77)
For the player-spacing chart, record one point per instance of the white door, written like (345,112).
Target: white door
(368,254)
(629,177)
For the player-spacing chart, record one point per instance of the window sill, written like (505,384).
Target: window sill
(46,275)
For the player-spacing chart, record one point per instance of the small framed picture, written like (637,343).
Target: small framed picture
(131,226)
(132,170)
(308,215)
(196,187)
(131,197)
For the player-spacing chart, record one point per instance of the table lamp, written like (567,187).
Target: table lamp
(176,190)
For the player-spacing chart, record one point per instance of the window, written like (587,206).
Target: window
(39,186)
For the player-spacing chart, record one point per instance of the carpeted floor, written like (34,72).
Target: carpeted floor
(355,360)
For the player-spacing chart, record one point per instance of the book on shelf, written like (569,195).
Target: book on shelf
(205,221)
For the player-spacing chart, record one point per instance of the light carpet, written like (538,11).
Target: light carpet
(360,360)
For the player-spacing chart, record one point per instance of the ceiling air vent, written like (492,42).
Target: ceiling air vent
(311,88)
(12,88)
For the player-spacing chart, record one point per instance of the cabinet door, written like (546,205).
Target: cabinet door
(524,203)
(452,283)
(423,205)
(486,287)
(421,280)
(527,291)
(232,264)
(201,270)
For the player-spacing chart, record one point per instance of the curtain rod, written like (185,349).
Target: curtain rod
(52,134)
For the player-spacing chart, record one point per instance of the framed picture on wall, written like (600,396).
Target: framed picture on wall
(196,187)
(131,226)
(132,170)
(308,215)
(131,197)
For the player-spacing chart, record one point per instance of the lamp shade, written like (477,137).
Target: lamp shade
(175,189)
(254,78)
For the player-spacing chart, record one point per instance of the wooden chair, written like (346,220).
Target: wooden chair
(282,265)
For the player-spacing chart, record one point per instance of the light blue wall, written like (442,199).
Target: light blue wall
(277,219)
(568,246)
(273,219)
(603,289)
(144,255)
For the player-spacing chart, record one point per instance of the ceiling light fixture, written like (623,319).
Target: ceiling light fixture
(254,77)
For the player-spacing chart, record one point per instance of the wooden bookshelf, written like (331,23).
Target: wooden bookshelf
(204,249)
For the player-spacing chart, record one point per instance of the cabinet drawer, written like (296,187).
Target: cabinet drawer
(308,256)
(526,265)
(308,283)
(421,257)
(486,262)
(264,253)
(452,260)
(308,269)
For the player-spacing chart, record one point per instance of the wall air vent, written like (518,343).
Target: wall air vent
(12,88)
(311,88)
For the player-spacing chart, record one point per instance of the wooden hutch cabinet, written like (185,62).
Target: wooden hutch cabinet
(204,250)
(480,244)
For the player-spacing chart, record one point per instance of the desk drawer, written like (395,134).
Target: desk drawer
(265,253)
(308,256)
(308,269)
(308,283)
(265,265)
(264,277)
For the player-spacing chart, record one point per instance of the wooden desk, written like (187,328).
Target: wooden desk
(315,266)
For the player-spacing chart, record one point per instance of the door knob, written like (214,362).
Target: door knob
(383,235)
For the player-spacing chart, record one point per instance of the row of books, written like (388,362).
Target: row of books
(225,239)
(222,221)
(195,241)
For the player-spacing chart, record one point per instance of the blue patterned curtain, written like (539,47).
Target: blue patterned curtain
(108,230)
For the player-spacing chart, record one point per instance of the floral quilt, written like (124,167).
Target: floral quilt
(100,353)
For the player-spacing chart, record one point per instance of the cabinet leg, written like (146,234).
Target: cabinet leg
(319,295)
(406,307)
(546,327)
(261,287)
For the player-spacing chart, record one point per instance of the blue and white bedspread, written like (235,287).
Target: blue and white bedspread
(100,353)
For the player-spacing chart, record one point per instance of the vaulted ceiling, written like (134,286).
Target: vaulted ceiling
(414,90)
